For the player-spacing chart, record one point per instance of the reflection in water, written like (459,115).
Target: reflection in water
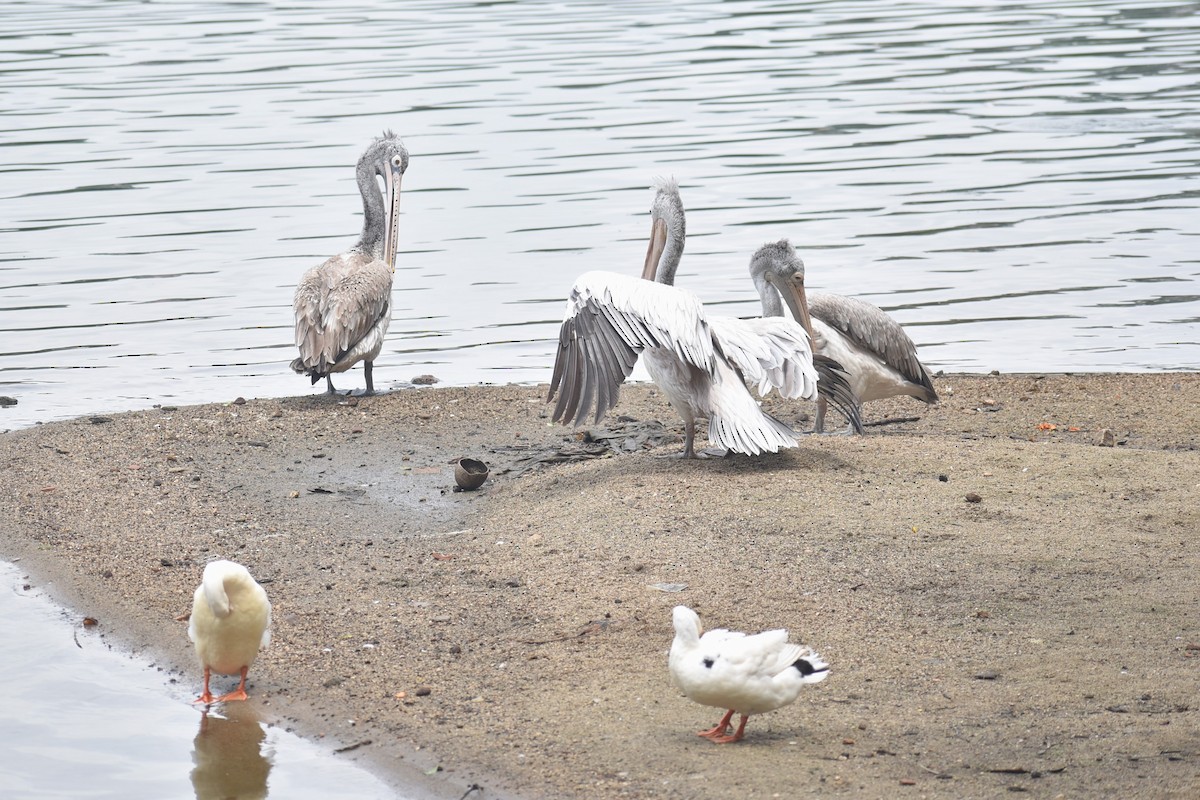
(1012,180)
(80,719)
(229,758)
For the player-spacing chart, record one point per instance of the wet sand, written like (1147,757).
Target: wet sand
(1043,639)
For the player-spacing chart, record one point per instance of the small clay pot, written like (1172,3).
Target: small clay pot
(470,474)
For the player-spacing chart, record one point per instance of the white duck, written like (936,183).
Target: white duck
(744,674)
(231,620)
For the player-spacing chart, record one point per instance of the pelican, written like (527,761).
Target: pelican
(697,360)
(231,620)
(343,306)
(874,350)
(743,674)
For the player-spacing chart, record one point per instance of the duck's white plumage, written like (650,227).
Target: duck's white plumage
(231,621)
(699,361)
(741,673)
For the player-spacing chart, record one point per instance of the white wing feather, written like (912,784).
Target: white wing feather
(610,319)
(674,316)
(771,352)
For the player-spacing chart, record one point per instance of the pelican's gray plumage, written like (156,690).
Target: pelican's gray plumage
(343,306)
(699,361)
(879,358)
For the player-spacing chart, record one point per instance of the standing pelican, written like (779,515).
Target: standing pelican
(343,306)
(874,350)
(697,360)
(231,620)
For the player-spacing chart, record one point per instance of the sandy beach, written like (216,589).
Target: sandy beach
(1007,604)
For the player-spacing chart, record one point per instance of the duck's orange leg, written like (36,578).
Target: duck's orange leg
(240,692)
(206,697)
(719,729)
(737,735)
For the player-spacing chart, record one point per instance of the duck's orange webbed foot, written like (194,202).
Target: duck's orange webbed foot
(237,694)
(736,736)
(206,697)
(719,729)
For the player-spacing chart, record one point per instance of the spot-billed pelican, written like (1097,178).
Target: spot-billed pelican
(743,674)
(697,360)
(343,307)
(874,350)
(231,620)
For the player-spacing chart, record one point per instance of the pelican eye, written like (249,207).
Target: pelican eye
(708,663)
(396,161)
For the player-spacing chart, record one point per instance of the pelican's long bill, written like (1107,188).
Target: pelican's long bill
(391,236)
(658,242)
(791,290)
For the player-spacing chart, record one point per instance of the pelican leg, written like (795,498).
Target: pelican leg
(720,728)
(689,443)
(368,368)
(206,696)
(737,735)
(329,385)
(240,692)
(819,420)
(689,440)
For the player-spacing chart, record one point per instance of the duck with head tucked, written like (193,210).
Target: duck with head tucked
(231,621)
(742,674)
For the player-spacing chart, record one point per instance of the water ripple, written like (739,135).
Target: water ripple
(1032,161)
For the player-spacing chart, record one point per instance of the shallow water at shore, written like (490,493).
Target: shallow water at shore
(83,721)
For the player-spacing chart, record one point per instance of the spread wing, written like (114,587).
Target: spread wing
(610,320)
(873,330)
(336,305)
(771,352)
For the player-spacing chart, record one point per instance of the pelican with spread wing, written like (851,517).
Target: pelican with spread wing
(700,362)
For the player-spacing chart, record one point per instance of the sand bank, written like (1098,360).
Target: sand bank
(1044,638)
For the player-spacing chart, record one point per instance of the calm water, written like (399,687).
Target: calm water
(80,721)
(1017,182)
